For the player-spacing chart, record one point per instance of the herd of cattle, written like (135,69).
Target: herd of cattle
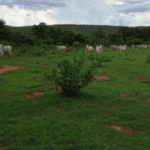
(99,48)
(142,46)
(114,47)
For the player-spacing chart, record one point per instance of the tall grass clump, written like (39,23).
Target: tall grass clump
(72,80)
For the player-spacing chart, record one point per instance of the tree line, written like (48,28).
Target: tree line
(42,34)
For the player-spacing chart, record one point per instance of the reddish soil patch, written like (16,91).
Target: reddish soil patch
(6,68)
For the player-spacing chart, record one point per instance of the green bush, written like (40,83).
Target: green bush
(76,44)
(71,81)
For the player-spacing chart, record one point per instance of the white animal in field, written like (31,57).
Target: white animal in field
(99,49)
(148,46)
(102,47)
(1,49)
(61,48)
(8,49)
(5,49)
(113,46)
(125,46)
(138,46)
(144,46)
(89,48)
(121,48)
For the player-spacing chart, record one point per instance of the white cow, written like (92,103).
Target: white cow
(60,48)
(148,46)
(8,49)
(102,47)
(121,48)
(113,46)
(99,49)
(1,49)
(125,46)
(140,46)
(144,46)
(89,48)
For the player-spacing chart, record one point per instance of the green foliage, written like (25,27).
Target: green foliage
(67,37)
(88,38)
(148,58)
(79,37)
(40,30)
(76,44)
(18,38)
(91,57)
(43,34)
(37,62)
(115,38)
(134,41)
(5,33)
(53,52)
(48,41)
(55,34)
(97,61)
(2,24)
(99,34)
(71,81)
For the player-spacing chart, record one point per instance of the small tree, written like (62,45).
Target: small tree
(76,44)
(72,80)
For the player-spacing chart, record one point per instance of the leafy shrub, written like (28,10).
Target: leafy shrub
(76,44)
(71,81)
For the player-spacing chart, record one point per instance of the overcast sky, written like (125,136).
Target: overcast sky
(130,13)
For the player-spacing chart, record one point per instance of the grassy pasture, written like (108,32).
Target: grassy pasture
(109,114)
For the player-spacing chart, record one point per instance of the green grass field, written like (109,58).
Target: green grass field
(53,122)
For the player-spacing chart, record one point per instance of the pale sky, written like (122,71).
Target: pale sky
(130,13)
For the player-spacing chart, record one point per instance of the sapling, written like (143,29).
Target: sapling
(71,80)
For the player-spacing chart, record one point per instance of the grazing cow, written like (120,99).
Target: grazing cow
(148,46)
(60,48)
(99,49)
(1,50)
(89,48)
(121,48)
(113,46)
(8,49)
(125,46)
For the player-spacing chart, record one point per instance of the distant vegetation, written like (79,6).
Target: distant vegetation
(50,35)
